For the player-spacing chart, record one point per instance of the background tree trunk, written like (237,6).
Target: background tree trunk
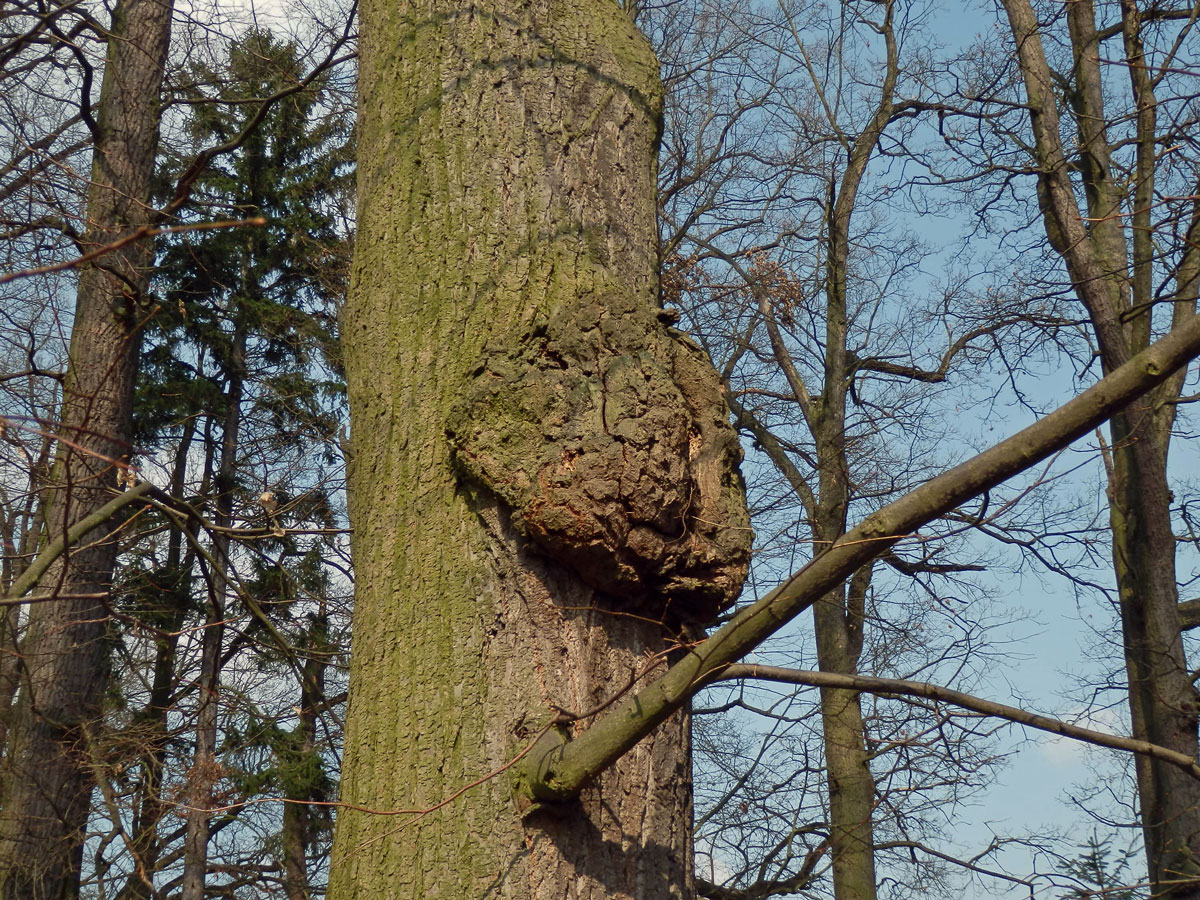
(149,805)
(47,784)
(506,291)
(1120,300)
(205,770)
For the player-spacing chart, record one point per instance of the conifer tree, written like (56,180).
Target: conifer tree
(239,391)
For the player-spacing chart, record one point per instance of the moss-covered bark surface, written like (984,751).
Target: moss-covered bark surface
(541,472)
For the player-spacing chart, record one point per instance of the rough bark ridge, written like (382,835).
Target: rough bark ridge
(47,779)
(503,328)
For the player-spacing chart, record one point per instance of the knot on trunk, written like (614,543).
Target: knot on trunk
(607,437)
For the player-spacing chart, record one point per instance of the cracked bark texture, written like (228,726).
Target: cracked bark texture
(541,470)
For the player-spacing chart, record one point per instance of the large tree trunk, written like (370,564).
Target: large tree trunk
(551,547)
(46,783)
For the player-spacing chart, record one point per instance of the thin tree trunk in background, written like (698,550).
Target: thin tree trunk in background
(151,806)
(203,774)
(506,291)
(838,616)
(10,668)
(297,815)
(1119,301)
(46,781)
(205,771)
(1162,695)
(16,559)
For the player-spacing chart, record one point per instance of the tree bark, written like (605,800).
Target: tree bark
(543,480)
(46,782)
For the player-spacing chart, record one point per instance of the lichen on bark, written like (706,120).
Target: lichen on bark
(604,432)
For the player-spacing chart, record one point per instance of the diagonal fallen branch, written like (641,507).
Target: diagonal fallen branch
(559,769)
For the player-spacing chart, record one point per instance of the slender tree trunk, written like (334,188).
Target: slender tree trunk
(838,616)
(17,556)
(297,815)
(837,628)
(205,770)
(145,847)
(10,669)
(1162,699)
(1119,299)
(150,805)
(47,783)
(847,764)
(505,292)
(203,774)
